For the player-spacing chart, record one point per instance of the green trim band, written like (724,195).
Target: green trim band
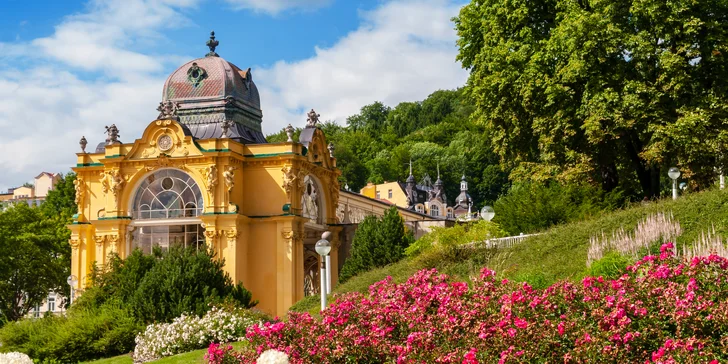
(114,156)
(89,164)
(268,155)
(116,218)
(80,223)
(218,213)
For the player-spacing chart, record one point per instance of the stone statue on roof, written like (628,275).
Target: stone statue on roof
(313,119)
(168,110)
(112,133)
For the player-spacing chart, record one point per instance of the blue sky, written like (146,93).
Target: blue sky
(67,68)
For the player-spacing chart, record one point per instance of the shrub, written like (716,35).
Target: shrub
(611,265)
(187,333)
(452,237)
(84,334)
(377,242)
(660,309)
(530,207)
(164,285)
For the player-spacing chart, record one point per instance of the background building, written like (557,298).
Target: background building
(33,194)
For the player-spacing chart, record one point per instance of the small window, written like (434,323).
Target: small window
(36,311)
(434,210)
(51,304)
(378,196)
(419,208)
(389,194)
(450,214)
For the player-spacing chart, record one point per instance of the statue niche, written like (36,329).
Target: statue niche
(309,200)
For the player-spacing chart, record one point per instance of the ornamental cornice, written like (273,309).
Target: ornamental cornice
(100,239)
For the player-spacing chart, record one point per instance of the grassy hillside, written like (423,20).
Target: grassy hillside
(559,253)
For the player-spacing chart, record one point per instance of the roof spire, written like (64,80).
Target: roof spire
(212,44)
(438,170)
(410,166)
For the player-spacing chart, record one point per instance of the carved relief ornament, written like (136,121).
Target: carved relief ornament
(289,180)
(80,188)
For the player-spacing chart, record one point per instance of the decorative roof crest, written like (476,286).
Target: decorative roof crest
(313,119)
(168,110)
(212,44)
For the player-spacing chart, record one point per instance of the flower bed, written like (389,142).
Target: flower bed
(15,358)
(187,333)
(661,310)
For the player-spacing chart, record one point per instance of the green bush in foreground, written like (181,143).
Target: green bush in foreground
(81,335)
(125,296)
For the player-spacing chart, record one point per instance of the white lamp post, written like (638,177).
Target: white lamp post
(674,174)
(487,213)
(72,280)
(323,247)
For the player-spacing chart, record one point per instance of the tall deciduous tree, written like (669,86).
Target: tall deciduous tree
(33,259)
(602,90)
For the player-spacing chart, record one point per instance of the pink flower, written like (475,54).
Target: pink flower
(560,328)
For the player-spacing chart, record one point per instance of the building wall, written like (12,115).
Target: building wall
(45,182)
(23,192)
(252,202)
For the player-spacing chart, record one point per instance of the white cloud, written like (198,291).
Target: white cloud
(403,51)
(276,6)
(47,107)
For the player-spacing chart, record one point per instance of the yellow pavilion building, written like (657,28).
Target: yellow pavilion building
(203,173)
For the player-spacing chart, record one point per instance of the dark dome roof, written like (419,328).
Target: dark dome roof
(216,99)
(210,78)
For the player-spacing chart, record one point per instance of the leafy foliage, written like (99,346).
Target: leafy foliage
(34,259)
(446,238)
(82,334)
(378,143)
(377,242)
(529,207)
(165,285)
(611,92)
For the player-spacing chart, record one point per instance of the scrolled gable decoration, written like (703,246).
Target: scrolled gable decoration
(289,180)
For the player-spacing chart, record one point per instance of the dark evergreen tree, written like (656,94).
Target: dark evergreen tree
(377,242)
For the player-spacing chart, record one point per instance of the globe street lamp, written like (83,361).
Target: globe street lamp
(72,280)
(487,213)
(323,247)
(674,174)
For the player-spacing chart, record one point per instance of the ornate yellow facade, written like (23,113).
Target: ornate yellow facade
(203,174)
(252,214)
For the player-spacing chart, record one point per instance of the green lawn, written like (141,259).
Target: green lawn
(559,253)
(193,357)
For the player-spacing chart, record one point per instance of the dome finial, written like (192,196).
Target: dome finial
(212,44)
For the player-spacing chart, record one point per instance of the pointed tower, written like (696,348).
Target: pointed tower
(439,190)
(463,201)
(411,187)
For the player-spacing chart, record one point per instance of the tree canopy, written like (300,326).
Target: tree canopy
(377,144)
(611,92)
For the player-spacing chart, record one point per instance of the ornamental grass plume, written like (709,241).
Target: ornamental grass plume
(662,309)
(708,244)
(15,358)
(654,228)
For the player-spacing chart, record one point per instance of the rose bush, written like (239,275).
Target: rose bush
(187,333)
(661,310)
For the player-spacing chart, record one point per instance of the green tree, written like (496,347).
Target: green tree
(34,259)
(377,242)
(61,200)
(602,91)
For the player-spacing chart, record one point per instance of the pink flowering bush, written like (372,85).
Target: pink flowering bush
(661,310)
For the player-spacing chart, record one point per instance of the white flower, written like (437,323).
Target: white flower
(15,358)
(272,356)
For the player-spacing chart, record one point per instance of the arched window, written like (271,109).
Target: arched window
(419,208)
(434,210)
(450,214)
(166,210)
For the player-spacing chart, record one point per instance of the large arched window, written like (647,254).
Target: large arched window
(166,210)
